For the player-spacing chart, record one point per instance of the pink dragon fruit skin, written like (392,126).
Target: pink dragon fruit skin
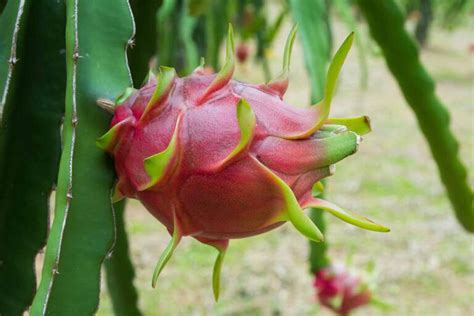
(216,159)
(340,291)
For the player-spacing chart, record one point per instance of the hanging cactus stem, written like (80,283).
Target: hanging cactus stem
(216,159)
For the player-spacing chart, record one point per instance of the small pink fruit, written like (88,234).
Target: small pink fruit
(216,159)
(242,52)
(340,291)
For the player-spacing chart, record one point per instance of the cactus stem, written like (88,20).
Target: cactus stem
(13,60)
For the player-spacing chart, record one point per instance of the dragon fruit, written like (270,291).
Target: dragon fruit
(216,159)
(242,52)
(340,291)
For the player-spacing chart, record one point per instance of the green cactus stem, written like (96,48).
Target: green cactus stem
(316,42)
(32,103)
(386,24)
(82,232)
(119,270)
(143,46)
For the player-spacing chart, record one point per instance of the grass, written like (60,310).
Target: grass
(424,265)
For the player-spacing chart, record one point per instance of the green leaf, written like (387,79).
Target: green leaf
(167,26)
(387,24)
(314,36)
(145,40)
(32,106)
(119,270)
(187,26)
(218,16)
(273,29)
(82,231)
(3,3)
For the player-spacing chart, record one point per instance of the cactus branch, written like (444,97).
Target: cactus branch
(386,24)
(82,230)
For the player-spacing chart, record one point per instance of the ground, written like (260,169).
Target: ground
(424,266)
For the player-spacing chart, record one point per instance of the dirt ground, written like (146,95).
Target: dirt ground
(424,266)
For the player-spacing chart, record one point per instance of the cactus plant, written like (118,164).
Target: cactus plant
(29,152)
(82,232)
(402,57)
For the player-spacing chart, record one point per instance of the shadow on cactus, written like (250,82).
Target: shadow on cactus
(216,159)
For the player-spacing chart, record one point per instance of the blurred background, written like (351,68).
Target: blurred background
(424,266)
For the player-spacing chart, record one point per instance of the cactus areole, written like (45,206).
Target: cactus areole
(216,159)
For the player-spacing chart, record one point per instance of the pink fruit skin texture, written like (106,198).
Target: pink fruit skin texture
(237,201)
(340,291)
(216,159)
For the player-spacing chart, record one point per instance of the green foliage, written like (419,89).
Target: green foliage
(314,36)
(3,3)
(448,14)
(144,44)
(187,26)
(344,10)
(316,46)
(119,270)
(452,13)
(82,231)
(29,140)
(188,30)
(386,24)
(216,20)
